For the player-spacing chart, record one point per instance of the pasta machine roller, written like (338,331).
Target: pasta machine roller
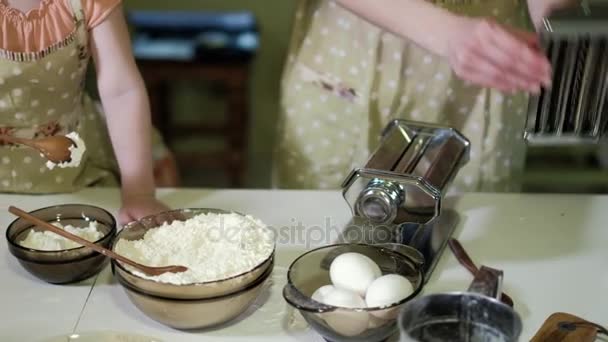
(405,178)
(574,110)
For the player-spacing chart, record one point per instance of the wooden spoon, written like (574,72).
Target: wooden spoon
(149,270)
(54,148)
(465,260)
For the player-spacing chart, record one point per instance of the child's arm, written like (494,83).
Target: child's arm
(125,102)
(479,50)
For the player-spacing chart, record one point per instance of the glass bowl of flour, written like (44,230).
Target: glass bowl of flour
(188,314)
(224,252)
(54,258)
(228,255)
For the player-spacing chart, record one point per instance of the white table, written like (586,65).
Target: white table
(552,248)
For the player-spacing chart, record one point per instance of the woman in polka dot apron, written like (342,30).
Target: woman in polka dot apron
(354,65)
(45,47)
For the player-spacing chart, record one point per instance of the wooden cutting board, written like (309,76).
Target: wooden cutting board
(563,327)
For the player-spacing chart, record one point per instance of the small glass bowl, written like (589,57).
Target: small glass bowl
(136,231)
(311,271)
(187,314)
(68,265)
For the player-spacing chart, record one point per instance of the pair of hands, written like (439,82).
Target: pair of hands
(488,54)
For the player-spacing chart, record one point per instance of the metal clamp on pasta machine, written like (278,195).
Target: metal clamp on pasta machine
(404,179)
(574,110)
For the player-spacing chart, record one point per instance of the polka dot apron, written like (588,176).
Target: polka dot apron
(345,79)
(42,94)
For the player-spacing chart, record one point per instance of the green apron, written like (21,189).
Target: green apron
(345,79)
(42,94)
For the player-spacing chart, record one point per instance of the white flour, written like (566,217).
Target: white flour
(76,151)
(49,241)
(212,246)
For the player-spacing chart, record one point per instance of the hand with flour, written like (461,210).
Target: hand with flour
(134,207)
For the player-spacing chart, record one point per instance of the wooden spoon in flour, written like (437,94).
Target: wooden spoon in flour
(149,270)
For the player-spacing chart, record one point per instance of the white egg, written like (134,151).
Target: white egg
(388,289)
(388,314)
(343,298)
(353,271)
(321,292)
(346,322)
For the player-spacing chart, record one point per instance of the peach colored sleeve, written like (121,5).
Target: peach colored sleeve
(97,11)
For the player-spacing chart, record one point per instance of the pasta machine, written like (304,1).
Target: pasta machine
(403,183)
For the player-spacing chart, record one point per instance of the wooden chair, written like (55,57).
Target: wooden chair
(233,78)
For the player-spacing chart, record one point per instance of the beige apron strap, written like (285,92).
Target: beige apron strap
(80,21)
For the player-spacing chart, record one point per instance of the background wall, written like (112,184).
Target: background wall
(195,100)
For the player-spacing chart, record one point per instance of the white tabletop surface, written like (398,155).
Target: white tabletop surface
(553,250)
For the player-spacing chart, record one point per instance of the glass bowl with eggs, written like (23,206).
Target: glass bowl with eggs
(229,257)
(53,258)
(353,292)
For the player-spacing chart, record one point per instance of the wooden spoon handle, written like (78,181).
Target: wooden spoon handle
(19,141)
(78,239)
(465,260)
(462,256)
